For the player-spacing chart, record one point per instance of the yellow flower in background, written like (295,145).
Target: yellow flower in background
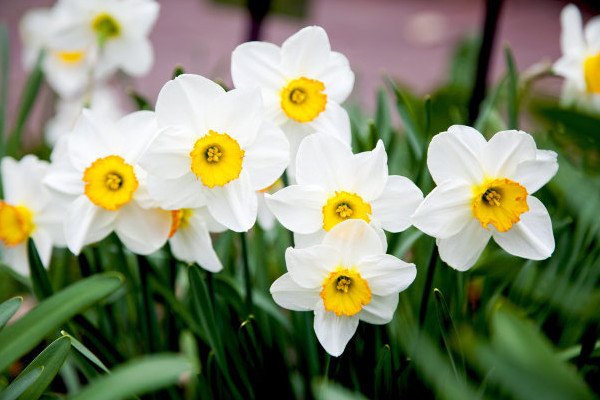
(95,169)
(344,279)
(484,189)
(28,210)
(580,62)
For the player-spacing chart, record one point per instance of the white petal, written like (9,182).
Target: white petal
(63,178)
(86,223)
(16,258)
(380,310)
(386,274)
(571,37)
(369,172)
(267,157)
(355,240)
(298,208)
(304,53)
(94,136)
(185,100)
(446,210)
(139,130)
(134,56)
(237,113)
(333,121)
(337,77)
(142,17)
(399,200)
(462,250)
(324,161)
(592,34)
(168,155)
(532,236)
(212,224)
(43,244)
(310,267)
(173,194)
(192,243)
(22,182)
(455,154)
(288,294)
(334,332)
(534,174)
(234,205)
(505,151)
(264,216)
(302,241)
(257,64)
(143,231)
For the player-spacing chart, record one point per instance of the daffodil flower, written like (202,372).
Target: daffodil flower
(28,211)
(484,190)
(580,62)
(345,279)
(334,185)
(302,83)
(214,149)
(96,171)
(190,237)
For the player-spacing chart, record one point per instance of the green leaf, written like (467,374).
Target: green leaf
(8,309)
(140,101)
(136,377)
(409,120)
(512,89)
(20,384)
(324,389)
(382,119)
(39,276)
(446,324)
(30,94)
(51,360)
(178,71)
(4,66)
(383,373)
(80,347)
(488,106)
(20,337)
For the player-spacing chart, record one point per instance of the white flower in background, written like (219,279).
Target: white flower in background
(580,63)
(103,101)
(303,83)
(190,237)
(97,173)
(119,27)
(334,185)
(265,217)
(67,65)
(484,190)
(28,210)
(346,278)
(214,149)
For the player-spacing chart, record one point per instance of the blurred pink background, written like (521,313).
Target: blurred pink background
(411,40)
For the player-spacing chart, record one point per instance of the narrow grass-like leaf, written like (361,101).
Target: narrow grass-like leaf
(51,359)
(512,100)
(80,347)
(28,97)
(24,334)
(39,276)
(383,373)
(136,377)
(447,325)
(140,101)
(20,384)
(178,71)
(383,119)
(409,120)
(8,309)
(4,65)
(487,107)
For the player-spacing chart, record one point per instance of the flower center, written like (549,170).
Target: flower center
(499,202)
(106,27)
(70,57)
(110,182)
(179,220)
(302,99)
(344,206)
(591,68)
(216,159)
(345,292)
(16,224)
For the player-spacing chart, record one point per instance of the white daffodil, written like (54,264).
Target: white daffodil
(214,149)
(303,83)
(264,216)
(190,237)
(98,175)
(580,63)
(346,278)
(484,190)
(67,64)
(28,210)
(334,185)
(102,101)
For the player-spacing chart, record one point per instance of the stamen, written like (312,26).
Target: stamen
(298,96)
(213,154)
(344,210)
(343,284)
(113,181)
(492,197)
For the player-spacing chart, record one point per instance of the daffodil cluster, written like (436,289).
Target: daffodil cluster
(207,160)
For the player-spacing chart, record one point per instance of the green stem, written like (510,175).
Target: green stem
(247,276)
(433,261)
